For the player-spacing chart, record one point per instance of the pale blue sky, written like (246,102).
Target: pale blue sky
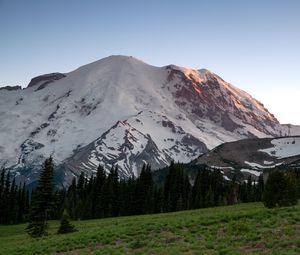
(255,45)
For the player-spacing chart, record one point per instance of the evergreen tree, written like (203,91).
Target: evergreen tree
(41,201)
(2,195)
(250,189)
(22,203)
(71,201)
(5,200)
(233,190)
(196,192)
(97,192)
(81,195)
(280,190)
(12,203)
(65,225)
(209,198)
(144,191)
(158,204)
(2,180)
(174,188)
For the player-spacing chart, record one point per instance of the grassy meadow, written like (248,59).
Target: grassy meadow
(239,229)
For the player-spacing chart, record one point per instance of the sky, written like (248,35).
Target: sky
(254,45)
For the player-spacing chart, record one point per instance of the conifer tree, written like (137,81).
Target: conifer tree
(2,195)
(6,200)
(12,203)
(72,198)
(97,192)
(41,201)
(260,188)
(65,225)
(144,189)
(280,190)
(233,190)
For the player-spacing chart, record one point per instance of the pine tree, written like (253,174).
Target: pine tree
(250,189)
(196,192)
(2,180)
(233,190)
(72,200)
(2,195)
(174,188)
(12,205)
(5,200)
(81,195)
(260,188)
(97,192)
(65,225)
(280,190)
(144,191)
(209,198)
(41,201)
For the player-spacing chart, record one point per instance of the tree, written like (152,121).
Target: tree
(5,198)
(175,187)
(280,189)
(65,225)
(144,191)
(233,190)
(41,201)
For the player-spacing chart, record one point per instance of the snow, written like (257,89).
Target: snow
(256,173)
(268,162)
(222,167)
(284,147)
(258,166)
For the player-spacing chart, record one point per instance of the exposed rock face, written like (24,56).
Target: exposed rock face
(119,110)
(206,95)
(11,88)
(43,80)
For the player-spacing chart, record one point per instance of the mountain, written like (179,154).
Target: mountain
(253,156)
(120,110)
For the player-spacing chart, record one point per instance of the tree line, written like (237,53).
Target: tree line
(14,200)
(107,195)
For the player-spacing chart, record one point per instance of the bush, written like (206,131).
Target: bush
(280,189)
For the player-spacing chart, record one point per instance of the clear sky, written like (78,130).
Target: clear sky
(254,44)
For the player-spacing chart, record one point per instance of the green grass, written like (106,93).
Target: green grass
(239,229)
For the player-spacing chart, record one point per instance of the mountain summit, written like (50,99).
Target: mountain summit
(120,110)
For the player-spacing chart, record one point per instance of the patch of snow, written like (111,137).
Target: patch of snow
(226,178)
(268,162)
(256,173)
(222,167)
(258,166)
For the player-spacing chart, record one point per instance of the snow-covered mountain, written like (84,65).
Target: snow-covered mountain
(120,110)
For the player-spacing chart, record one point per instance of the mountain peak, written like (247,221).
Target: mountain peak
(120,59)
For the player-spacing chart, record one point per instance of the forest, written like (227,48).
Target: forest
(107,195)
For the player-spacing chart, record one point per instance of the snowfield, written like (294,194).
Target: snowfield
(284,147)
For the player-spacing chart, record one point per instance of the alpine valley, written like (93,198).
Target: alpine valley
(122,111)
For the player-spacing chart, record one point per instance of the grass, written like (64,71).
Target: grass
(240,229)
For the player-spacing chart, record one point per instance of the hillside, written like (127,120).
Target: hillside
(253,156)
(240,229)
